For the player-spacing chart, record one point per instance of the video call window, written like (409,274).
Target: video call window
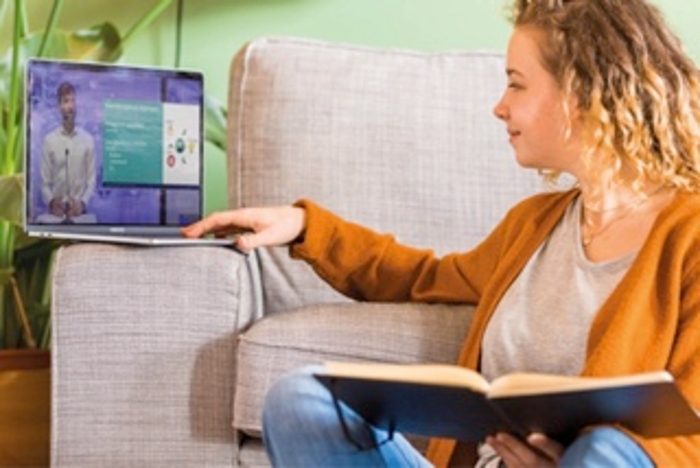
(144,128)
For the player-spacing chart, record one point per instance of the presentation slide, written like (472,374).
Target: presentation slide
(135,131)
(181,144)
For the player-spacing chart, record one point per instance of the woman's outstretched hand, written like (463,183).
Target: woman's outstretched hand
(259,227)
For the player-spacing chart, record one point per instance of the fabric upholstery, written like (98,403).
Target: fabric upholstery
(355,332)
(399,141)
(143,355)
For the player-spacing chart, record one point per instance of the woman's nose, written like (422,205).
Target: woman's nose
(500,110)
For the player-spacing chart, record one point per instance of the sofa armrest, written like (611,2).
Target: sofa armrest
(143,354)
(356,332)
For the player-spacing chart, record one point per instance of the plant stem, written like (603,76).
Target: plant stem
(10,161)
(22,315)
(50,26)
(3,11)
(7,247)
(23,21)
(144,22)
(9,165)
(6,262)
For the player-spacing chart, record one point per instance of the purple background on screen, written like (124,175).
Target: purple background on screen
(94,85)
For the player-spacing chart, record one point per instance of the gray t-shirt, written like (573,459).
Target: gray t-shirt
(543,321)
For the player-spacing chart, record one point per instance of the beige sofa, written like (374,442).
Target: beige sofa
(162,356)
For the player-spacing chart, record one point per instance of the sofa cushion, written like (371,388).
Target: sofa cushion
(400,141)
(356,331)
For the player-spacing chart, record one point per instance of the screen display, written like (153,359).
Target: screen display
(113,145)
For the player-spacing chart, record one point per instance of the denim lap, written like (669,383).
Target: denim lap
(302,427)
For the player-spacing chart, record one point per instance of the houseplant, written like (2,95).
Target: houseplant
(25,263)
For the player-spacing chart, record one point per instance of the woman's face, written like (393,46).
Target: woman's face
(532,108)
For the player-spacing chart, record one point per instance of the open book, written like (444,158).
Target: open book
(455,402)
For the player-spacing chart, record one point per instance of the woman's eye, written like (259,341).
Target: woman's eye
(514,86)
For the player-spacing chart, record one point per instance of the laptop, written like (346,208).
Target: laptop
(113,153)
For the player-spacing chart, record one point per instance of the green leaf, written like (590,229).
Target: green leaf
(11,198)
(101,43)
(215,122)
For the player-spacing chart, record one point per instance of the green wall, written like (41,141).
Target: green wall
(214,29)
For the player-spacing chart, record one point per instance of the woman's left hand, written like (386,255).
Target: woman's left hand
(538,451)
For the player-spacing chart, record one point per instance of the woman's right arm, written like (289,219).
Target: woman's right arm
(367,265)
(355,260)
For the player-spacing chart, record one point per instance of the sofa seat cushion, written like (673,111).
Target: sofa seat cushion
(349,332)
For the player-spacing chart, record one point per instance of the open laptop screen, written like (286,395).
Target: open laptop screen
(112,146)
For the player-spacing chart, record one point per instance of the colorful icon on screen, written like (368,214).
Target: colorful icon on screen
(180,145)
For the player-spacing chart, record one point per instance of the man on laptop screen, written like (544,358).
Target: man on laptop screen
(67,166)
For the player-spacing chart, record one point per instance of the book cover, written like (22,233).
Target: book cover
(454,402)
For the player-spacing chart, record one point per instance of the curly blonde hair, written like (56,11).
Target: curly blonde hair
(638,91)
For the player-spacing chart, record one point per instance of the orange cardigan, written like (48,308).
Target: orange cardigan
(650,322)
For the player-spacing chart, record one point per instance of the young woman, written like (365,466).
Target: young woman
(601,90)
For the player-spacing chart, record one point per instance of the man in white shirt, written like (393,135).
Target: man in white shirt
(68,166)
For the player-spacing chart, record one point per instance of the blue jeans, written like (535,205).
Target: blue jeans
(301,428)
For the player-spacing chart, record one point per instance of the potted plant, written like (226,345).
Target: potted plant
(25,263)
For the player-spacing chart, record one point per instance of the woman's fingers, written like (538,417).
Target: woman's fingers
(547,446)
(517,453)
(258,226)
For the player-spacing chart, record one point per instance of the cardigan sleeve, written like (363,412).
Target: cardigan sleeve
(366,265)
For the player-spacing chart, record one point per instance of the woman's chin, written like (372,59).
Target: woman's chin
(526,162)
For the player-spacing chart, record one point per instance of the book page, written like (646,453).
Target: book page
(530,384)
(428,374)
